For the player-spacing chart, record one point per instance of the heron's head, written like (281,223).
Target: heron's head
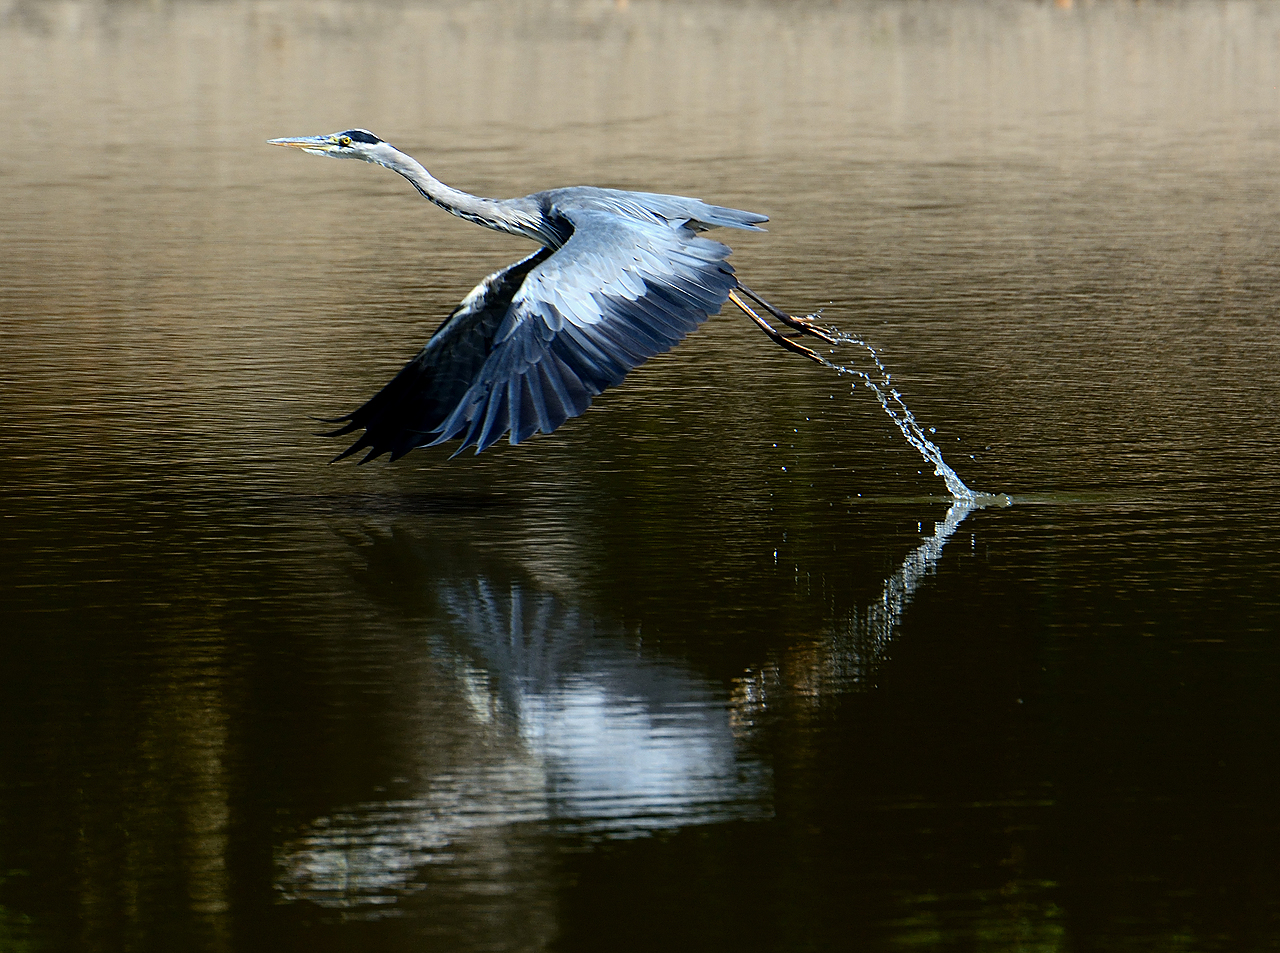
(352,144)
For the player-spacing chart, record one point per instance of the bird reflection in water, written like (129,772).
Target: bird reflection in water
(583,734)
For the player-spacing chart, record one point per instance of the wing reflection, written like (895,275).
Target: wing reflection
(578,731)
(628,742)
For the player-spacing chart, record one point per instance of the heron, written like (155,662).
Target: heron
(619,277)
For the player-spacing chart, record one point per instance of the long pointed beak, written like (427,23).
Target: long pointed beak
(316,145)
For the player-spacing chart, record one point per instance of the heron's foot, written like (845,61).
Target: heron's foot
(801,326)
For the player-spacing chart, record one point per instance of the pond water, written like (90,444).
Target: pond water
(718,665)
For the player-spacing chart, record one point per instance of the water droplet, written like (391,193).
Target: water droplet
(893,405)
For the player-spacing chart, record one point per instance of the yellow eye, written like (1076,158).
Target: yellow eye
(344,140)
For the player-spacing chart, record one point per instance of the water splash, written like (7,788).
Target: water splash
(893,404)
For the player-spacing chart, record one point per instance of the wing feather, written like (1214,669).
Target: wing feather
(617,293)
(536,342)
(401,415)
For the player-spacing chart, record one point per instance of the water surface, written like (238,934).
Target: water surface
(717,665)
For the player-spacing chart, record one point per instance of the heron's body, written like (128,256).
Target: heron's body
(620,277)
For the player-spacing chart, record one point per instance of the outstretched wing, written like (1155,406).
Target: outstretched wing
(534,343)
(402,415)
(618,292)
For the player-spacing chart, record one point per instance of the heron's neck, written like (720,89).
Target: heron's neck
(507,215)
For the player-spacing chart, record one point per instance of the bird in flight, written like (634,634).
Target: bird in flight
(619,277)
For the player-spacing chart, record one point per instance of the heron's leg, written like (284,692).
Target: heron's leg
(774,334)
(803,325)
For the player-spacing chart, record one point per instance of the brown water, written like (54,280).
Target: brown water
(714,666)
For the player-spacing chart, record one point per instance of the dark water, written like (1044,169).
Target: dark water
(715,666)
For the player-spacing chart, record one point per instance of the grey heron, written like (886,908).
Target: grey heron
(619,277)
